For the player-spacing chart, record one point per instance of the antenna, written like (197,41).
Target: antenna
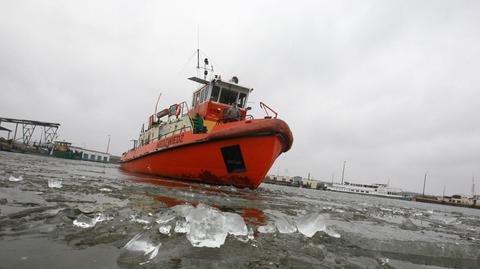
(198,46)
(206,66)
(156,104)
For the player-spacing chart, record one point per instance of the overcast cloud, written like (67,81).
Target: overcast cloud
(389,86)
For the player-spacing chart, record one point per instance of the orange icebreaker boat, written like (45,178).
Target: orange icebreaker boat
(214,142)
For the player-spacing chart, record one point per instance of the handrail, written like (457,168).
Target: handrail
(181,130)
(264,107)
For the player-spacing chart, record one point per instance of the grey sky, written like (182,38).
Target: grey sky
(389,86)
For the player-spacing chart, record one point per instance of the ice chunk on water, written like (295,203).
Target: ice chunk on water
(181,227)
(137,220)
(182,210)
(83,221)
(266,229)
(54,183)
(15,179)
(206,227)
(165,218)
(284,225)
(105,190)
(165,229)
(332,233)
(143,244)
(310,224)
(234,224)
(282,222)
(250,235)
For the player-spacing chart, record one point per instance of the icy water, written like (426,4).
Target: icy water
(57,213)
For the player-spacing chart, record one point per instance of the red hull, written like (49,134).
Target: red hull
(204,162)
(238,153)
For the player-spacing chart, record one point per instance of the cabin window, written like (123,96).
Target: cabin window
(215,93)
(228,96)
(242,100)
(85,156)
(105,159)
(203,95)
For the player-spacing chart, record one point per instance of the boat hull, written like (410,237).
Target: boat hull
(241,162)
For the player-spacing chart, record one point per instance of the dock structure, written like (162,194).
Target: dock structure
(28,127)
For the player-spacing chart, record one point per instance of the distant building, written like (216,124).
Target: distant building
(310,183)
(295,181)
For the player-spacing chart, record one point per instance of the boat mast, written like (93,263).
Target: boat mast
(343,171)
(424,180)
(473,186)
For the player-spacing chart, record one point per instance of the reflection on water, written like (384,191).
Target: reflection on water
(94,211)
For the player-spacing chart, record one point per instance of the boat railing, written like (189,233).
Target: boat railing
(266,109)
(184,108)
(172,133)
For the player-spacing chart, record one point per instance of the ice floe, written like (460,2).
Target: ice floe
(134,218)
(235,225)
(105,190)
(141,243)
(165,218)
(310,224)
(205,226)
(54,183)
(15,179)
(182,210)
(84,221)
(180,227)
(165,229)
(266,229)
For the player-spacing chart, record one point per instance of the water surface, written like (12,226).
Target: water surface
(57,213)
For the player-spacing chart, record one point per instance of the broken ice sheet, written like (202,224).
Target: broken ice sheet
(182,210)
(207,226)
(284,226)
(180,227)
(234,224)
(54,183)
(134,218)
(165,218)
(266,229)
(165,229)
(83,221)
(142,244)
(105,190)
(15,179)
(310,224)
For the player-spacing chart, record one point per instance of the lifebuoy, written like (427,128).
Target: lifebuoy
(178,109)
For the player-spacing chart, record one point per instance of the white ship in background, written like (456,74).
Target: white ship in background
(367,189)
